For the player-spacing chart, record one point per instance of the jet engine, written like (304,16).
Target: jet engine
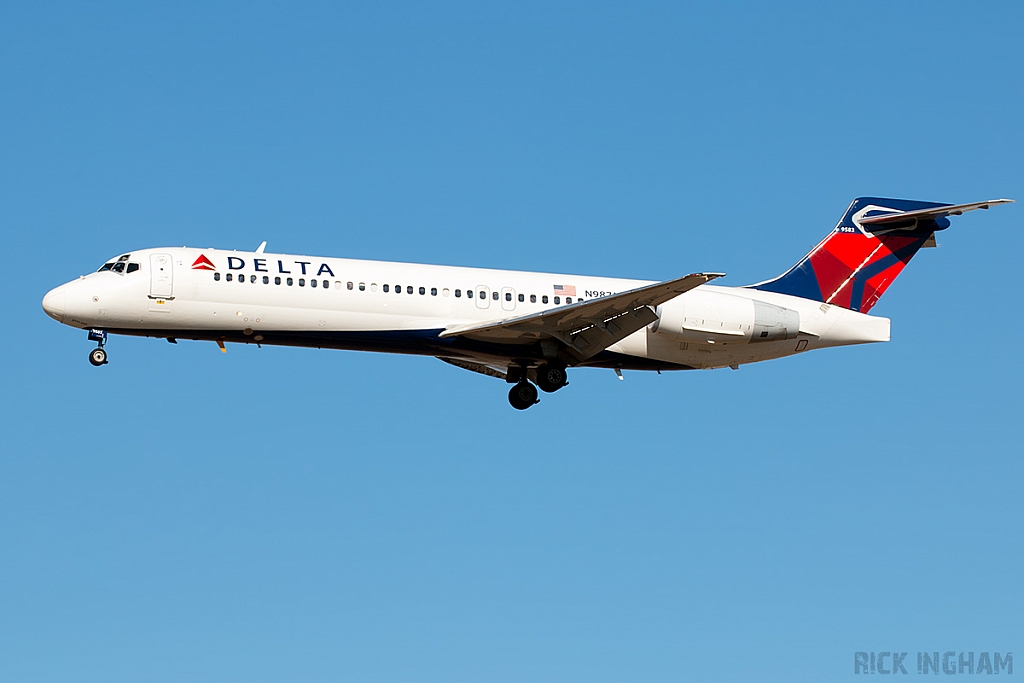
(704,316)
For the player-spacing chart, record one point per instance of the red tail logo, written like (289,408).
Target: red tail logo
(203,263)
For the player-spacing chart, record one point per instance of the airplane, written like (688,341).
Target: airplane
(522,327)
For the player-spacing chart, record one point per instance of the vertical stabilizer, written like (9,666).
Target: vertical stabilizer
(867,250)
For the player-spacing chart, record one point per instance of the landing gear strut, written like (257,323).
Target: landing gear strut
(551,378)
(98,356)
(522,395)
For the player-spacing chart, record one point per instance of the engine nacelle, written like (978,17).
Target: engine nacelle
(707,316)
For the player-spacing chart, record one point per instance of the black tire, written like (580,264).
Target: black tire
(551,378)
(98,357)
(522,395)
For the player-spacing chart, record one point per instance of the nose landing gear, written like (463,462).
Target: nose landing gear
(98,356)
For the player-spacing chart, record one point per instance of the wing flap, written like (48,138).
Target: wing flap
(600,336)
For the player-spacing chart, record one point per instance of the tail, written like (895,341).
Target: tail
(867,250)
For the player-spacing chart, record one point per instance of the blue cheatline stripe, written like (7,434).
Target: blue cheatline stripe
(423,342)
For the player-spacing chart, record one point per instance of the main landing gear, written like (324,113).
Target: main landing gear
(522,395)
(549,378)
(98,356)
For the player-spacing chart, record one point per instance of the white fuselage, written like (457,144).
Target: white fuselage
(356,304)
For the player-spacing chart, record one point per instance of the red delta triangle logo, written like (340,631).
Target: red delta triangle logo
(203,263)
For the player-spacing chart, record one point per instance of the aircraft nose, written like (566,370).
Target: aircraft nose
(53,303)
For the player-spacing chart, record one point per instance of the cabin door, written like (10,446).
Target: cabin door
(161,282)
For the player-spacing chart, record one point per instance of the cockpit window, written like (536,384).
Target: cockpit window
(118,265)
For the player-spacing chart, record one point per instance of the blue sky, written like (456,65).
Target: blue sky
(282,514)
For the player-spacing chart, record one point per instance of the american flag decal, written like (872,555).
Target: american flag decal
(567,290)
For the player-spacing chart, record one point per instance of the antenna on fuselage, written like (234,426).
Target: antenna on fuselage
(263,245)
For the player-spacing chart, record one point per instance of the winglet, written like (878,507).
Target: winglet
(263,245)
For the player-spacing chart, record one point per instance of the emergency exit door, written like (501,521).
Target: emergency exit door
(483,296)
(508,298)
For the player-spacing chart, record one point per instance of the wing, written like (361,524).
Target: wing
(933,212)
(489,370)
(588,327)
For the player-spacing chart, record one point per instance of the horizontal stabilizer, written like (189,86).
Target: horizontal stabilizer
(932,212)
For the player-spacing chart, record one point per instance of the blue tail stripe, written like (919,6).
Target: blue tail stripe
(799,280)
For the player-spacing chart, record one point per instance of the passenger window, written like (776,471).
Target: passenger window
(132,267)
(337,284)
(533,298)
(483,295)
(312,283)
(302,282)
(362,286)
(522,298)
(373,287)
(408,289)
(216,276)
(252,279)
(568,299)
(558,300)
(445,292)
(494,295)
(469,293)
(326,284)
(423,290)
(508,296)
(387,288)
(433,291)
(118,267)
(289,282)
(277,280)
(266,280)
(349,286)
(229,277)
(398,289)
(544,299)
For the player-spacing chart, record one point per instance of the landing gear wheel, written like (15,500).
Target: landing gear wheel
(98,357)
(522,395)
(551,378)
